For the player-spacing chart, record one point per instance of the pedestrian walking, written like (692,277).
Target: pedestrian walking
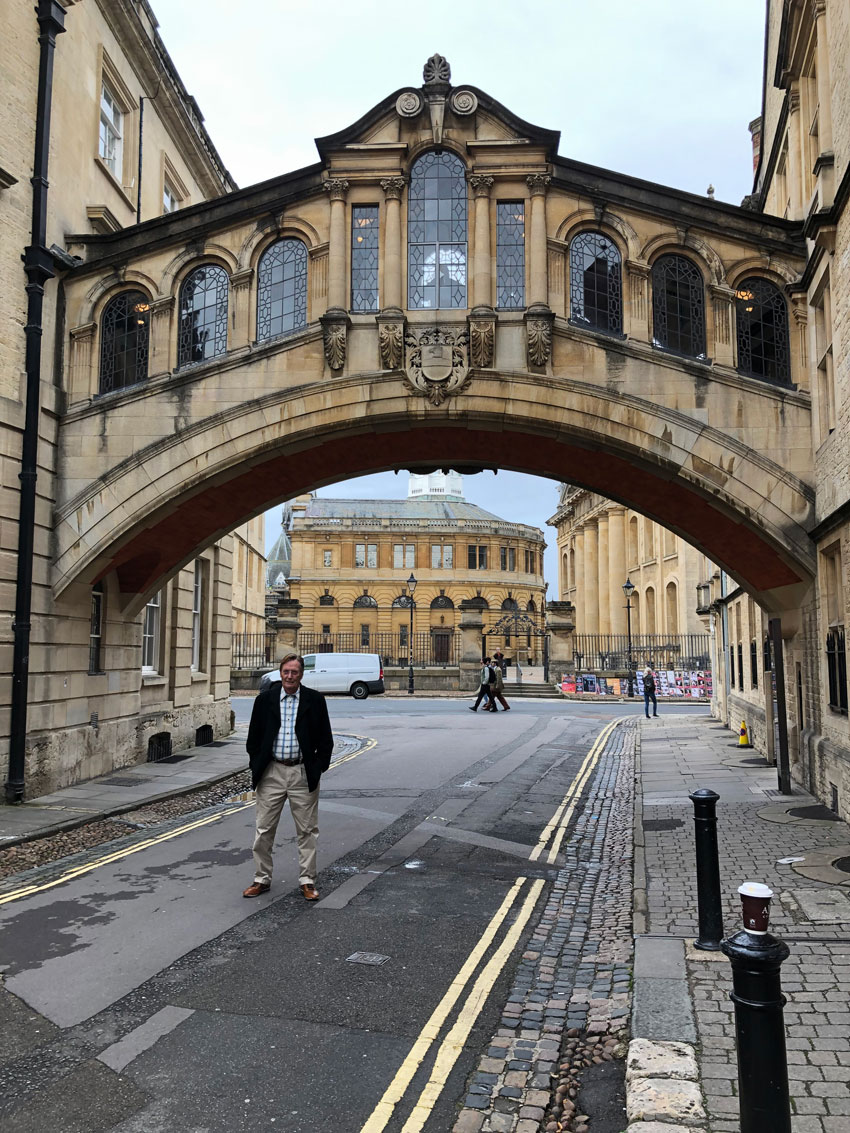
(498,691)
(649,692)
(290,744)
(500,663)
(485,688)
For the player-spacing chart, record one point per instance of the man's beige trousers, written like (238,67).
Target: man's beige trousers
(278,784)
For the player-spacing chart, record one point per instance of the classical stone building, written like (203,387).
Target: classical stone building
(126,144)
(249,577)
(443,289)
(351,561)
(601,545)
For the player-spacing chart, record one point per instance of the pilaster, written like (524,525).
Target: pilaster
(637,276)
(721,310)
(83,379)
(240,308)
(161,336)
(393,188)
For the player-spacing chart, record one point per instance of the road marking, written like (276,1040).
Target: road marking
(116,856)
(393,1094)
(143,1037)
(557,824)
(452,1045)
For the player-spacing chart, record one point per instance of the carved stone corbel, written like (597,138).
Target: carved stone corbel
(335,323)
(392,328)
(539,320)
(482,337)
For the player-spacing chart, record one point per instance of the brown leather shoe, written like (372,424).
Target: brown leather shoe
(310,892)
(256,889)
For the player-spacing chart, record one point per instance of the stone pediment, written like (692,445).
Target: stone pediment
(437,112)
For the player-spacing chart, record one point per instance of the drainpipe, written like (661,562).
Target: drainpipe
(139,168)
(724,641)
(38,265)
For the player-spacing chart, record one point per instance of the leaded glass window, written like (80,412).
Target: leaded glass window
(364,258)
(596,298)
(437,232)
(678,306)
(124,334)
(762,323)
(203,315)
(510,254)
(282,289)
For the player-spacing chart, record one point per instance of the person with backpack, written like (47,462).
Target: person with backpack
(488,681)
(497,691)
(649,692)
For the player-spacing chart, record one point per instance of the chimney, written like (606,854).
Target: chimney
(755,133)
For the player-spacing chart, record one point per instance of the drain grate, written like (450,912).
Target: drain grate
(662,823)
(126,780)
(820,812)
(373,958)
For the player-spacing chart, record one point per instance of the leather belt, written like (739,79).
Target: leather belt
(289,762)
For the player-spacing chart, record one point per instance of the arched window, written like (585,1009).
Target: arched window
(672,595)
(124,334)
(530,606)
(510,604)
(403,602)
(203,315)
(634,557)
(595,283)
(762,321)
(437,232)
(442,602)
(678,306)
(365,600)
(282,289)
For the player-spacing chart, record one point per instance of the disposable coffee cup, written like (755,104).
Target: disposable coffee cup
(755,903)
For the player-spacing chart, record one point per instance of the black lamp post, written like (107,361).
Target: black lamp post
(628,590)
(411,587)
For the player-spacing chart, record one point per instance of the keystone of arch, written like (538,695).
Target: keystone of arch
(581,434)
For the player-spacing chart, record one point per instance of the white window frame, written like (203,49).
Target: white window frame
(198,597)
(110,146)
(151,629)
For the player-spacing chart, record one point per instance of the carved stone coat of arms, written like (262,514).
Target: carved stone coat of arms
(436,363)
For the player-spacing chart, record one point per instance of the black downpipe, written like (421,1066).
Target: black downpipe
(139,168)
(38,265)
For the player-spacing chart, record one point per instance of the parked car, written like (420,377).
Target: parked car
(356,673)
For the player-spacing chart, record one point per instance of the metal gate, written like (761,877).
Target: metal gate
(516,623)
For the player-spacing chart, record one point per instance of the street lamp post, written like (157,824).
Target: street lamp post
(411,587)
(628,590)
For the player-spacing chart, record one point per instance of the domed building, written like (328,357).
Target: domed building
(351,562)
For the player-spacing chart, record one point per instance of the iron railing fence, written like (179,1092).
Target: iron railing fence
(253,650)
(610,651)
(429,650)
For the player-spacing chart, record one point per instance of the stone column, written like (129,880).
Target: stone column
(288,625)
(823,79)
(538,291)
(481,281)
(393,187)
(578,583)
(721,312)
(240,309)
(604,588)
(800,357)
(795,154)
(560,624)
(637,300)
(471,628)
(591,577)
(335,320)
(617,568)
(83,383)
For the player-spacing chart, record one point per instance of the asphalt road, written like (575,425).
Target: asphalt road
(148,995)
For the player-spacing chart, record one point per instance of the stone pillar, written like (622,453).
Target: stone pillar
(721,311)
(795,154)
(800,357)
(538,291)
(481,281)
(161,336)
(393,187)
(288,625)
(560,624)
(617,570)
(604,588)
(241,309)
(578,582)
(824,83)
(591,577)
(637,300)
(83,384)
(471,627)
(335,320)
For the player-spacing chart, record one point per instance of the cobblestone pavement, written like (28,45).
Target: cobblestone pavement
(811,912)
(574,977)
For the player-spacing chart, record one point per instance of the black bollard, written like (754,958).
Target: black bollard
(709,905)
(756,958)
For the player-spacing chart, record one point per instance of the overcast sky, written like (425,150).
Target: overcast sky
(654,88)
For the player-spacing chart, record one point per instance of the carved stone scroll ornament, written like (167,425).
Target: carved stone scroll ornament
(334,337)
(482,339)
(464,102)
(391,345)
(437,364)
(408,104)
(538,333)
(437,70)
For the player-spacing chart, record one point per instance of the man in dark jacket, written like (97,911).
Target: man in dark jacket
(290,744)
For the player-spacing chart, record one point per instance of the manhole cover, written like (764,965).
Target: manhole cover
(843,864)
(128,780)
(373,958)
(820,812)
(662,823)
(761,762)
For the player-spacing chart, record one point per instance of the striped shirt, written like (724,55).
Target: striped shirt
(286,743)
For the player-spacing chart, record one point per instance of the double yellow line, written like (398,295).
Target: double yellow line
(452,1045)
(556,828)
(117,855)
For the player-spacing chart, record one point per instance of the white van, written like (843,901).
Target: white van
(355,673)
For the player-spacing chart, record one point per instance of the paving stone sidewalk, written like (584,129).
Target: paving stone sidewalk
(683,995)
